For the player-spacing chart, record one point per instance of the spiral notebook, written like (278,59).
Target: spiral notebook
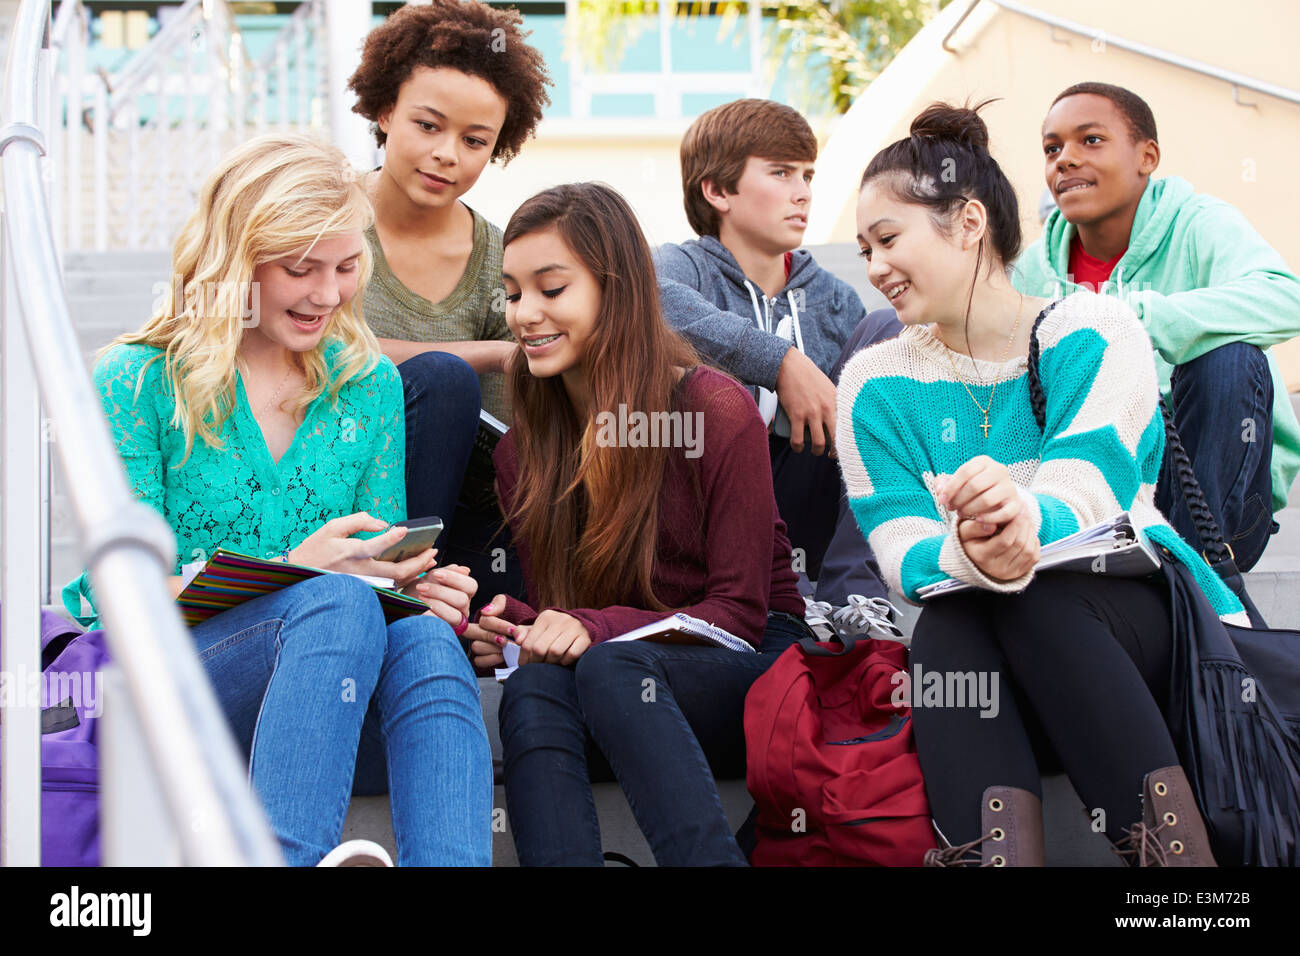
(678,629)
(1112,547)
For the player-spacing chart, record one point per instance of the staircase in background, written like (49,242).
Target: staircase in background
(129,149)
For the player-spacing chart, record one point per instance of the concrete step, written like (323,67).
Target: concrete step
(154,261)
(1283,551)
(126,284)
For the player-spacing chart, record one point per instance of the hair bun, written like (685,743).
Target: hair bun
(959,124)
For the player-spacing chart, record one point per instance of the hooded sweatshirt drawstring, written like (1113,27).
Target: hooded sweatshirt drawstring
(767,400)
(794,321)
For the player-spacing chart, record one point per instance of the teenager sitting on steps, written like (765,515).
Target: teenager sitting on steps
(615,535)
(760,308)
(1211,294)
(265,421)
(450,86)
(950,476)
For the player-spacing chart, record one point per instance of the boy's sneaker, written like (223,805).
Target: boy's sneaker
(357,853)
(867,617)
(817,615)
(861,617)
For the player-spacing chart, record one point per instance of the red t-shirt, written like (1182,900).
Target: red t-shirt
(789,258)
(1088,270)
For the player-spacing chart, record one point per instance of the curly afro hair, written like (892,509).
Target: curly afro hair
(464,35)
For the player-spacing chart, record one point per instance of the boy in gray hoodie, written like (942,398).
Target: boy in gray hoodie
(761,309)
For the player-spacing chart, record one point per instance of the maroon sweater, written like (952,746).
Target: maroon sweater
(728,562)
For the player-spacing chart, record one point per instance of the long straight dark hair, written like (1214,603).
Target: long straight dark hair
(590,514)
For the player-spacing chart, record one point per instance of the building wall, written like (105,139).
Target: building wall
(1240,154)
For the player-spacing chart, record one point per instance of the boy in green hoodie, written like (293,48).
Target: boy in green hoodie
(1211,293)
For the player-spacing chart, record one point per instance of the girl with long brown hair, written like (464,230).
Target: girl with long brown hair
(636,484)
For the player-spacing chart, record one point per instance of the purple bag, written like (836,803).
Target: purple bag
(71,703)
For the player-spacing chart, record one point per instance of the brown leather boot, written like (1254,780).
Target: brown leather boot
(1012,820)
(1171,831)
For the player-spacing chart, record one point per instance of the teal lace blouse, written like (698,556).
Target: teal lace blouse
(345,457)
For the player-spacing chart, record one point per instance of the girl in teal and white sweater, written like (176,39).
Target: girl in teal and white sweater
(949,475)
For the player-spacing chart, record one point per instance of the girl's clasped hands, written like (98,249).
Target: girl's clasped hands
(993,523)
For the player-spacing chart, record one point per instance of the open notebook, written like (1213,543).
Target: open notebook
(1111,547)
(678,629)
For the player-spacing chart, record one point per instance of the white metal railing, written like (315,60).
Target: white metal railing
(129,550)
(1054,23)
(194,78)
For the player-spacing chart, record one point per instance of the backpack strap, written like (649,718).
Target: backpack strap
(810,646)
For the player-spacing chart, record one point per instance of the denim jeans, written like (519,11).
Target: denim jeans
(299,672)
(442,406)
(1223,407)
(662,719)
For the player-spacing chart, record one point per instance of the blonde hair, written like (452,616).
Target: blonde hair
(267,198)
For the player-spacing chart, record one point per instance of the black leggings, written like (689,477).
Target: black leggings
(1081,664)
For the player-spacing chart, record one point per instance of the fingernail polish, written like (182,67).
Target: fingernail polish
(501,641)
(511,632)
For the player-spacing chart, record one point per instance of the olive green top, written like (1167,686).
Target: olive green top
(473,311)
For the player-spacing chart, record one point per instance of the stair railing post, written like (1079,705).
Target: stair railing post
(20,651)
(100,148)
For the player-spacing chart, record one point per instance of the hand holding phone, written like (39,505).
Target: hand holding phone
(421,533)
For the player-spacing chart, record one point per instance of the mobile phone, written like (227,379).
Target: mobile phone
(420,536)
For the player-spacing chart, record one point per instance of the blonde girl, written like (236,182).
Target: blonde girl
(255,412)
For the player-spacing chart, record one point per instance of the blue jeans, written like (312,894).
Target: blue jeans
(1223,407)
(666,719)
(442,406)
(299,671)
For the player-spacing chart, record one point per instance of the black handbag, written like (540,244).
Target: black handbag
(1234,692)
(1234,715)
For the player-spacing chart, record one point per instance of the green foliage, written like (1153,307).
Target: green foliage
(835,47)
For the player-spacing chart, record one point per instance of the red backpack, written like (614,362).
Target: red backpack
(831,764)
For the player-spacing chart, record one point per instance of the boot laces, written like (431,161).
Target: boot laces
(1140,845)
(963,854)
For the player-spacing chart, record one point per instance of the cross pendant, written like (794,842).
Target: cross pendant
(985,426)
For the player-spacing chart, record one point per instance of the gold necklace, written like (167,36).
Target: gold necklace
(1005,352)
(278,388)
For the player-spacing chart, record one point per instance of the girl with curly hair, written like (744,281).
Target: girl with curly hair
(449,86)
